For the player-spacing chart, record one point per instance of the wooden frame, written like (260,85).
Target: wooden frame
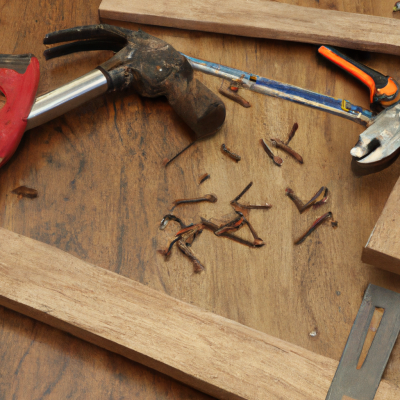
(210,353)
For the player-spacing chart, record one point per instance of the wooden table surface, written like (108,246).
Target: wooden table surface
(103,191)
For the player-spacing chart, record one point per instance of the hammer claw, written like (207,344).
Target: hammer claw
(82,45)
(101,31)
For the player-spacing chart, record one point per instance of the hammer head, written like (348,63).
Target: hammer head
(379,144)
(149,66)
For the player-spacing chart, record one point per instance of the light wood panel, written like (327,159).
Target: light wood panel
(263,19)
(103,191)
(383,247)
(211,353)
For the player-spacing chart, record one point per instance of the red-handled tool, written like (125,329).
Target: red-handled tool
(19,79)
(383,89)
(147,65)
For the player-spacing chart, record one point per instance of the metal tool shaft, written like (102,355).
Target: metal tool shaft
(269,87)
(59,101)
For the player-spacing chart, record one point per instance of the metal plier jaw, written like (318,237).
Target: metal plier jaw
(379,144)
(149,66)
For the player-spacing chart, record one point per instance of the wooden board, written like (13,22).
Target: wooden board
(103,191)
(211,353)
(263,19)
(383,247)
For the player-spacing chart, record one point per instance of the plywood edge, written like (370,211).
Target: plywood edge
(380,260)
(383,247)
(263,19)
(208,352)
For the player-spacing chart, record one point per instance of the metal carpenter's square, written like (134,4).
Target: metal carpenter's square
(368,347)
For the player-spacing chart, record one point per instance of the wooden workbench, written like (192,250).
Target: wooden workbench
(103,191)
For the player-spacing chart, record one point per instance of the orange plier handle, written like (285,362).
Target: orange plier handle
(383,89)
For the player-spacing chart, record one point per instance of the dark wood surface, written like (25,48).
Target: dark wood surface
(103,191)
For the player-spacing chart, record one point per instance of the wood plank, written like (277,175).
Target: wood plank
(103,191)
(211,353)
(263,19)
(383,247)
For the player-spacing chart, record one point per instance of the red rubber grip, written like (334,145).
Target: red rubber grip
(20,91)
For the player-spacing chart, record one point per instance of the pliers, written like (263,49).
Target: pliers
(378,146)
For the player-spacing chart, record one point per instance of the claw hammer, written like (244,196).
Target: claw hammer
(148,65)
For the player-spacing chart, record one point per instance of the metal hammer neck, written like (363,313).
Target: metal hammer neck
(53,104)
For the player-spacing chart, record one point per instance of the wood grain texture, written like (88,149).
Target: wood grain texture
(38,361)
(263,19)
(383,247)
(201,349)
(102,191)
